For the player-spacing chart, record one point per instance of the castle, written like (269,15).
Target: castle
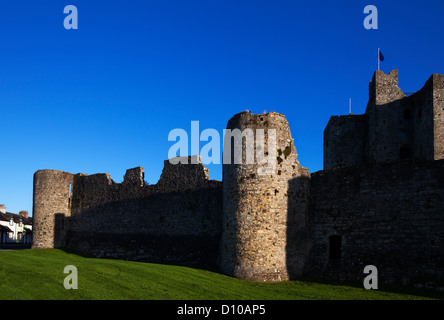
(379,201)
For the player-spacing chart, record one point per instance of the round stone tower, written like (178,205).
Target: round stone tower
(51,206)
(264,199)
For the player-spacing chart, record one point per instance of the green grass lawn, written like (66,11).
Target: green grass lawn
(38,274)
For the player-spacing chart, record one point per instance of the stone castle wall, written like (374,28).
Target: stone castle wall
(168,222)
(389,215)
(438,116)
(354,130)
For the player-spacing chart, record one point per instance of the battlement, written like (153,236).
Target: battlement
(384,88)
(387,80)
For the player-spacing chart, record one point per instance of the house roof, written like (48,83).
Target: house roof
(8,215)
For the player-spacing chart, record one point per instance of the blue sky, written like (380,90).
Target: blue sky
(103,98)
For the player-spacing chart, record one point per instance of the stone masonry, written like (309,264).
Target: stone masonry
(261,209)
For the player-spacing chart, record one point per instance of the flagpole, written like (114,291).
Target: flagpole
(378,59)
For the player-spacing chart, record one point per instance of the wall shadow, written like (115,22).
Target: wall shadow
(298,235)
(179,227)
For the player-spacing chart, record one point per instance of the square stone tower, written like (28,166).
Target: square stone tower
(394,127)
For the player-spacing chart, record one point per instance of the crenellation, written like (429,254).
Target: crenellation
(384,88)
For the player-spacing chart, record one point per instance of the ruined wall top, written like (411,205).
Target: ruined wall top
(384,88)
(266,121)
(435,82)
(183,173)
(438,81)
(246,119)
(134,176)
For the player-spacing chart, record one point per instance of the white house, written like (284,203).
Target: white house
(15,228)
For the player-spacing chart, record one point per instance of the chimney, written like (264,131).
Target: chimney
(2,208)
(23,214)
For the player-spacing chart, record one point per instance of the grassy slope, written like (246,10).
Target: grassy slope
(38,274)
